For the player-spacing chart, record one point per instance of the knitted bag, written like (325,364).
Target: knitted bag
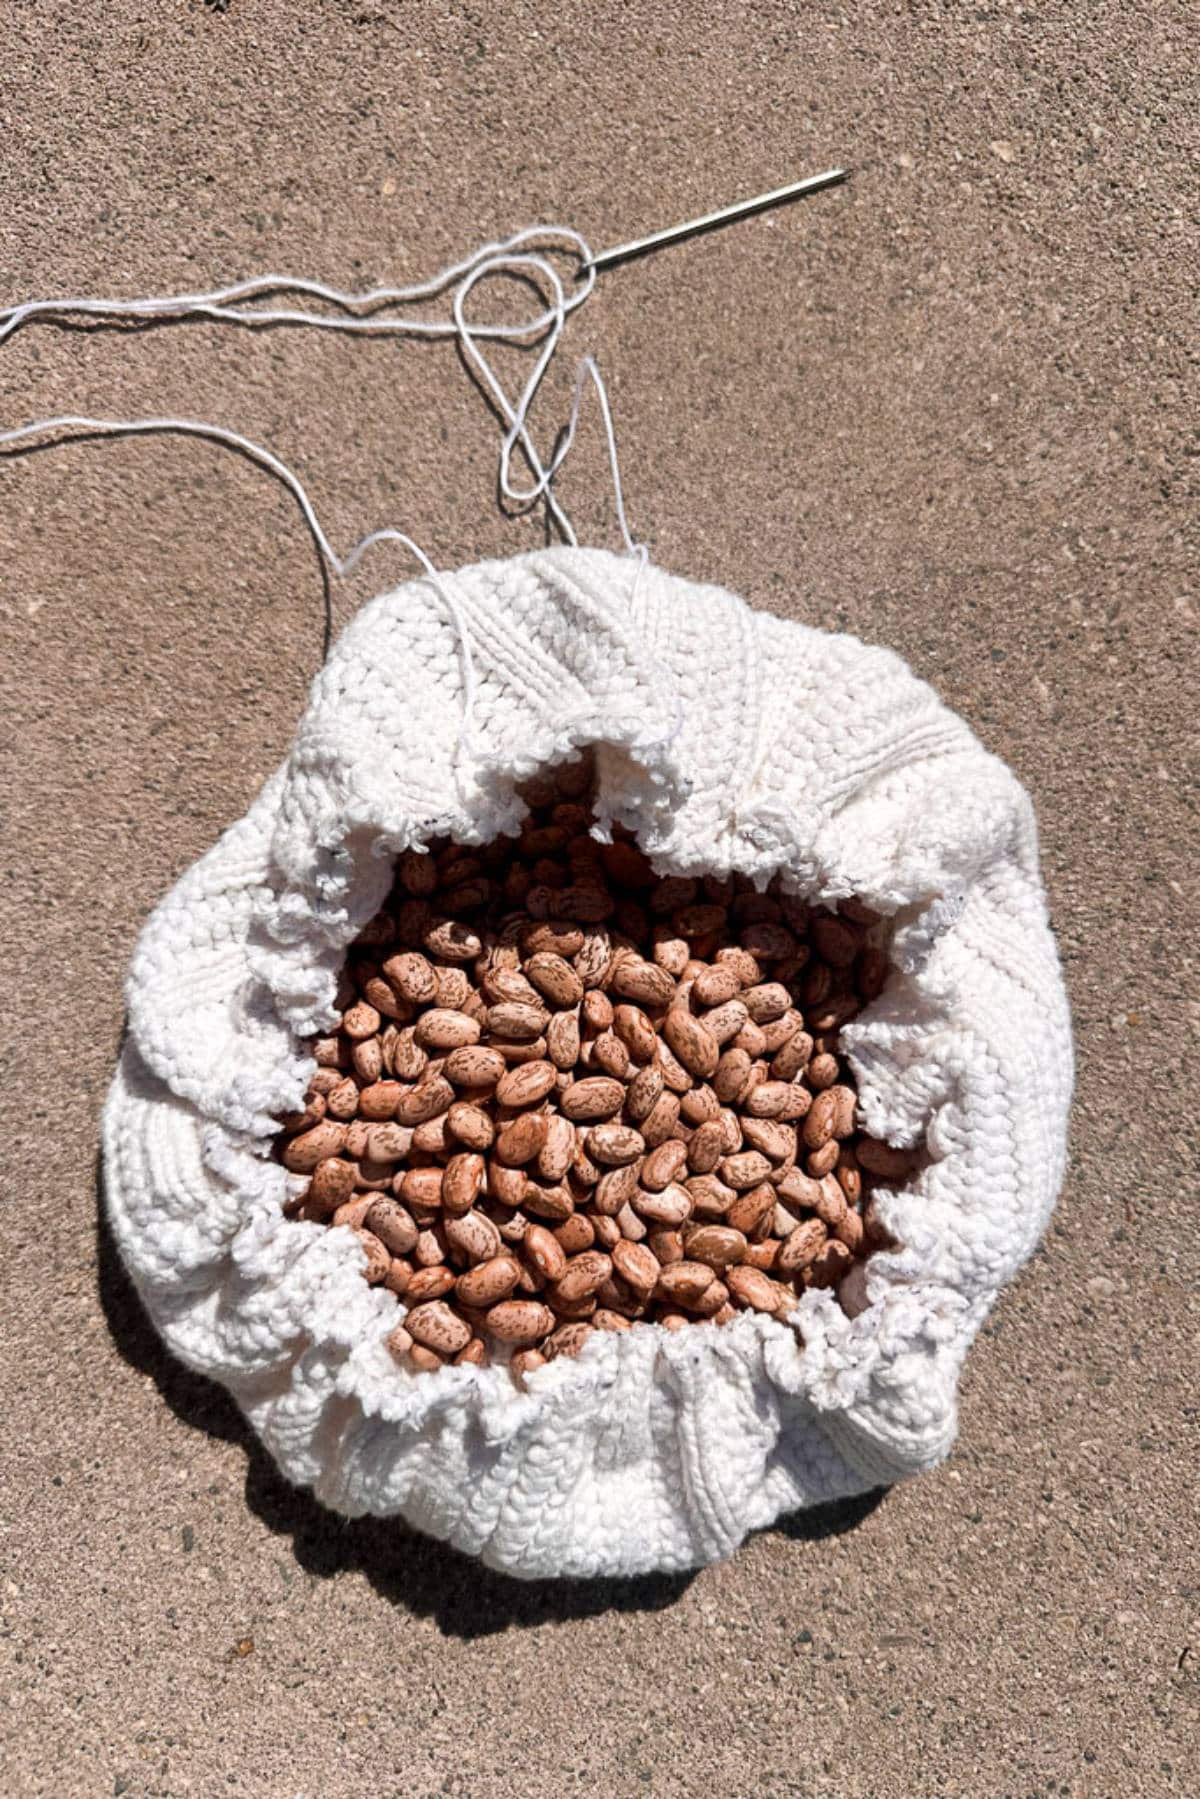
(726,740)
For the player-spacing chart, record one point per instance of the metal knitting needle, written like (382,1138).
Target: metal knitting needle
(741,209)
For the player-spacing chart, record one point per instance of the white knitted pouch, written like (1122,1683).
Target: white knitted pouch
(727,740)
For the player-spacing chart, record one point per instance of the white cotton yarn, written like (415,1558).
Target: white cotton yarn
(726,739)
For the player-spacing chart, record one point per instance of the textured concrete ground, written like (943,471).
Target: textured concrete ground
(948,407)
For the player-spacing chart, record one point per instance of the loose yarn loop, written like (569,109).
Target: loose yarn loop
(800,753)
(381,311)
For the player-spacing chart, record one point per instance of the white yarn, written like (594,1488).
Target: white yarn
(376,312)
(380,311)
(384,304)
(726,740)
(802,753)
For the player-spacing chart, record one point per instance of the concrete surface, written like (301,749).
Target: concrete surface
(948,407)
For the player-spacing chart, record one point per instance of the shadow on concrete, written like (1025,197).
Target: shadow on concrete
(426,1577)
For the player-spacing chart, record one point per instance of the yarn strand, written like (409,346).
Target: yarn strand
(376,311)
(380,311)
(340,566)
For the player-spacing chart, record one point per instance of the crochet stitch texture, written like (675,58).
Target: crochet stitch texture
(727,740)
